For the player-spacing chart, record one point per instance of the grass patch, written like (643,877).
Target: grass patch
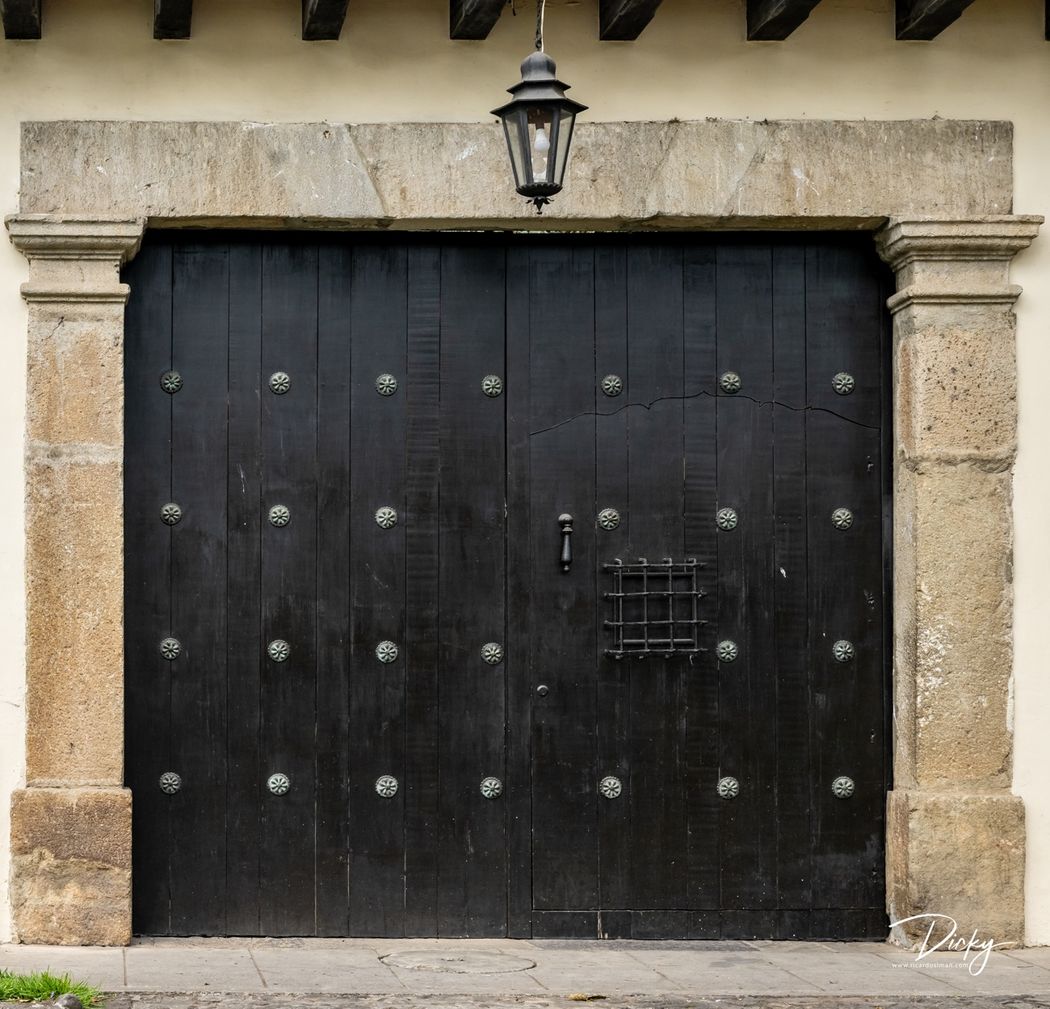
(42,985)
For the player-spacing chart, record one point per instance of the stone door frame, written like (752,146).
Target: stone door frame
(936,196)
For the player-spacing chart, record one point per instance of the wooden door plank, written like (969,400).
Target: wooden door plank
(844,469)
(289,587)
(334,270)
(245,645)
(564,610)
(472,872)
(613,691)
(521,678)
(657,791)
(794,701)
(378,323)
(200,312)
(147,584)
(422,593)
(701,541)
(745,561)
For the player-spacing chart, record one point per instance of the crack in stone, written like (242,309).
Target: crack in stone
(696,395)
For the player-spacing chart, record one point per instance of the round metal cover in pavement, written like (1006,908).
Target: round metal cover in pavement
(469,961)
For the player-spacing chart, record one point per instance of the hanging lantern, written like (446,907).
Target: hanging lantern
(538,122)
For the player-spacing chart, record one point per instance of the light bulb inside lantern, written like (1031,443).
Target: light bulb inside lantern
(543,144)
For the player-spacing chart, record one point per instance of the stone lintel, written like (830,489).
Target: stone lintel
(959,855)
(71,866)
(621,174)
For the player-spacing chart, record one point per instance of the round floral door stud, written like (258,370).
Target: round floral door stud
(386,651)
(170,782)
(842,518)
(171,382)
(608,518)
(492,386)
(280,383)
(843,787)
(610,787)
(728,788)
(280,516)
(386,786)
(491,788)
(492,653)
(730,383)
(386,384)
(171,648)
(612,385)
(386,517)
(843,651)
(843,383)
(727,651)
(171,514)
(278,784)
(727,519)
(279,650)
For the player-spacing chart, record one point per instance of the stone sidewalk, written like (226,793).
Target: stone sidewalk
(324,973)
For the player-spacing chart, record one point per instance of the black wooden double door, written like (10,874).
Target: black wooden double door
(529,587)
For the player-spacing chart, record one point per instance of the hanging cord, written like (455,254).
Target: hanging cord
(539,24)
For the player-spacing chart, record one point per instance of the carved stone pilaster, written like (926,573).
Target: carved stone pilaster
(72,884)
(956,833)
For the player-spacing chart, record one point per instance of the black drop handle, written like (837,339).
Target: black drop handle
(565,521)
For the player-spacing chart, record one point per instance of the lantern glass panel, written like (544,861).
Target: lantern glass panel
(514,127)
(563,139)
(542,161)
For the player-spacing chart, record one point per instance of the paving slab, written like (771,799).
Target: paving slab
(491,973)
(171,968)
(98,966)
(409,1001)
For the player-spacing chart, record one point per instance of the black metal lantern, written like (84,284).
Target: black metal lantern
(538,122)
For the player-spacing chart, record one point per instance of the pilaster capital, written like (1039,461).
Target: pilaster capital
(75,259)
(954,262)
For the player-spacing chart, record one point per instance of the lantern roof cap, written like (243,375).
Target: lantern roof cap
(539,83)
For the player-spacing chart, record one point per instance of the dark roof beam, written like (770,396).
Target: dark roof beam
(323,19)
(775,20)
(624,20)
(473,19)
(926,19)
(171,19)
(21,18)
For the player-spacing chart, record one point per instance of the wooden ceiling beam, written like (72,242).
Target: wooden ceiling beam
(926,19)
(21,18)
(473,19)
(171,19)
(624,20)
(323,19)
(775,20)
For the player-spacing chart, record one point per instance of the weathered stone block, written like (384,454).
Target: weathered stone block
(956,390)
(75,602)
(76,377)
(953,619)
(71,866)
(960,855)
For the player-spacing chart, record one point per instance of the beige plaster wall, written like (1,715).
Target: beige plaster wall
(395,62)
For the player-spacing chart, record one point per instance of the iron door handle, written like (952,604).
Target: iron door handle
(565,521)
